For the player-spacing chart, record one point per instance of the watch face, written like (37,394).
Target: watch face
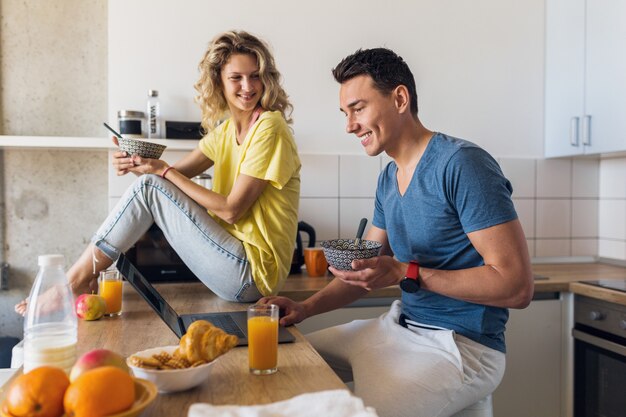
(409,285)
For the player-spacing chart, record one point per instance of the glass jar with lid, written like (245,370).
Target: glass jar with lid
(130,122)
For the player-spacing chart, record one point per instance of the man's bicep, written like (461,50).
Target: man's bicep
(503,246)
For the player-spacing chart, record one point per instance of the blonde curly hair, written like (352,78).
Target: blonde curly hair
(209,87)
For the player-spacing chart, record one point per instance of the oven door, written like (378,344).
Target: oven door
(599,375)
(157,260)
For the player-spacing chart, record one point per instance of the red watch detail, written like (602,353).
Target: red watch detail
(413,271)
(410,282)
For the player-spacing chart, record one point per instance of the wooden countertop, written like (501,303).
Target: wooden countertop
(549,278)
(300,368)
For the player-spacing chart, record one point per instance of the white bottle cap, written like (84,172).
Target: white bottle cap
(51,260)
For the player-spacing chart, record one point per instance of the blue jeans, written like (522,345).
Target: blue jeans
(216,257)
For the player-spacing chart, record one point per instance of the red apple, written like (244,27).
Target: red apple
(90,306)
(96,358)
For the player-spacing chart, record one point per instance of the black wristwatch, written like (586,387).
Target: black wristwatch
(410,282)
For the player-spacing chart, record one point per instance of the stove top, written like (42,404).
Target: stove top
(613,284)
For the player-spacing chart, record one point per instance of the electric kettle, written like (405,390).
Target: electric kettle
(298,254)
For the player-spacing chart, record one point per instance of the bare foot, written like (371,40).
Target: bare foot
(92,287)
(21,307)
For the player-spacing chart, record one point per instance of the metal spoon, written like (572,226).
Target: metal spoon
(359,233)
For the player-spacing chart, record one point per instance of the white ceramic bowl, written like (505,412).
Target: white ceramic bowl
(141,147)
(171,380)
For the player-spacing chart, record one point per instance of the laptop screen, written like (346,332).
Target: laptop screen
(150,294)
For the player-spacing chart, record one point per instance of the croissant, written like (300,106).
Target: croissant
(204,342)
(216,342)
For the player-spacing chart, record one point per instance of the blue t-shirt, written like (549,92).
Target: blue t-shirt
(457,188)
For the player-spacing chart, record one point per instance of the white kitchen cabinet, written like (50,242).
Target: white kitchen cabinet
(585,86)
(533,381)
(361,310)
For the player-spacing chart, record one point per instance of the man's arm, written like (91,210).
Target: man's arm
(334,295)
(506,279)
(338,293)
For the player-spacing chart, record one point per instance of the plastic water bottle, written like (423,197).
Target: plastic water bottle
(154,118)
(50,326)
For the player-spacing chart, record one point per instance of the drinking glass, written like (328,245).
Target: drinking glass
(263,339)
(110,287)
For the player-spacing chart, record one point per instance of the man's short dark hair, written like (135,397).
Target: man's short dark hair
(387,69)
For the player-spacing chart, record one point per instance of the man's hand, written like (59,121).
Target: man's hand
(294,312)
(373,273)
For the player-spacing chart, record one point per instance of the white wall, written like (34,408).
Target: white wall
(478,64)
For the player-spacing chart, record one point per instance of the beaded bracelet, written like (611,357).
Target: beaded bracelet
(165,172)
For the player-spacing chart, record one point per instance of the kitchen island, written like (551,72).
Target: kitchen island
(301,369)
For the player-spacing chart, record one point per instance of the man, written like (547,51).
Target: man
(451,239)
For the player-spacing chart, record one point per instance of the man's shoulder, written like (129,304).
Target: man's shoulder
(453,150)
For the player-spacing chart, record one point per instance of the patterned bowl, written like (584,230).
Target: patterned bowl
(141,147)
(340,252)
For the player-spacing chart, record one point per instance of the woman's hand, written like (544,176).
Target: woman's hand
(147,166)
(122,162)
(293,312)
(373,273)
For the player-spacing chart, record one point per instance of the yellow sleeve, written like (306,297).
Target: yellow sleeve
(208,145)
(272,154)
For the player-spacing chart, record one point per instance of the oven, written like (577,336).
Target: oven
(157,260)
(599,358)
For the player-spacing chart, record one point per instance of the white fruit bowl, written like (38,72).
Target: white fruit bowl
(170,380)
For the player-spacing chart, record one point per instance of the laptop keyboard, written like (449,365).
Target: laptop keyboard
(225,323)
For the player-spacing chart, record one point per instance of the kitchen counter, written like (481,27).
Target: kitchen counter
(300,368)
(549,278)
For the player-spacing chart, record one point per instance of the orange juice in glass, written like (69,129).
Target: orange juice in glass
(263,339)
(110,288)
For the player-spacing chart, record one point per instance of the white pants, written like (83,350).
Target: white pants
(410,371)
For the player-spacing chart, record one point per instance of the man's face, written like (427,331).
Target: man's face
(370,115)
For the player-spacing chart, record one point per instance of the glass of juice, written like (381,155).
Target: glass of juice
(263,339)
(110,288)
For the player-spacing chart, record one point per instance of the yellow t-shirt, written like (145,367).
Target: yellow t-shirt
(268,230)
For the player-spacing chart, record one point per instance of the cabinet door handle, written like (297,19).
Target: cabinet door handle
(587,130)
(573,131)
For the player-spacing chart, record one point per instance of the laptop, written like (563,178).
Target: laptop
(234,322)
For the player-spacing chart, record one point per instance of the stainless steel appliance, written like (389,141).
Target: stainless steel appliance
(599,358)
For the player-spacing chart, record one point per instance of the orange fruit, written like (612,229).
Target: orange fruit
(38,393)
(100,392)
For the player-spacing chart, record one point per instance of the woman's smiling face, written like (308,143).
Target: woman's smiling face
(242,86)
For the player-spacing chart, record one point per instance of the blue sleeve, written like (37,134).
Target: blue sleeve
(476,187)
(381,192)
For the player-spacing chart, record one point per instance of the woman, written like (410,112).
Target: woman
(238,238)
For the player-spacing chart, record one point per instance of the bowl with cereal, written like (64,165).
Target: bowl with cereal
(177,368)
(167,372)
